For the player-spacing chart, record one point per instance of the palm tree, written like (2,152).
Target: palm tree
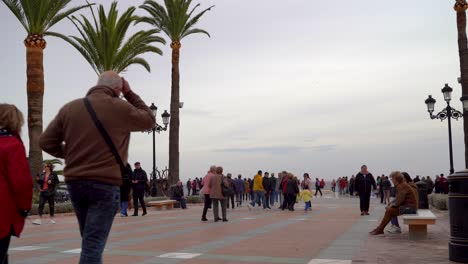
(102,41)
(37,17)
(460,7)
(177,22)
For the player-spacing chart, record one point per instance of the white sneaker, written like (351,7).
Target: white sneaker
(394,230)
(37,222)
(52,221)
(250,206)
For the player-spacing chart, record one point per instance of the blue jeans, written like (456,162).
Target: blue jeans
(272,197)
(95,206)
(308,205)
(257,196)
(394,221)
(123,208)
(182,201)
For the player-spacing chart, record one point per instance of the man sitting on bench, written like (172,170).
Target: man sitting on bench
(178,194)
(405,198)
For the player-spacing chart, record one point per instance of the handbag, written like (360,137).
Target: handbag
(226,191)
(125,171)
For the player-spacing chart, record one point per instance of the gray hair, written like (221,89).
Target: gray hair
(110,79)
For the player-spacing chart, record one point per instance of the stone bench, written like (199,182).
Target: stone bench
(169,204)
(418,223)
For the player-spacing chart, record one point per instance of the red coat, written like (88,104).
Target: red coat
(16,185)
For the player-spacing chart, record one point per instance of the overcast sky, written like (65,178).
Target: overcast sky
(300,85)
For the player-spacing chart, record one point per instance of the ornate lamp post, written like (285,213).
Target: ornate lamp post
(458,183)
(157,128)
(448,113)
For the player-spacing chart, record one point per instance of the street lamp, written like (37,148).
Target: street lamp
(157,128)
(448,113)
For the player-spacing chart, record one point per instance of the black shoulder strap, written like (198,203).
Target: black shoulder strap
(104,133)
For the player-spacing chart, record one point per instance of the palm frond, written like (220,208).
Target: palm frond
(105,43)
(17,10)
(174,18)
(38,16)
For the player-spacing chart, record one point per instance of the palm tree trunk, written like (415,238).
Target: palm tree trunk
(175,122)
(460,8)
(35,45)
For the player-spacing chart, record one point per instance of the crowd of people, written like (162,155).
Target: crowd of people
(384,188)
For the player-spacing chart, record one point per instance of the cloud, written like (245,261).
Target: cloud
(324,148)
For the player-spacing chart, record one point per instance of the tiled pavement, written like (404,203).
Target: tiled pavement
(333,233)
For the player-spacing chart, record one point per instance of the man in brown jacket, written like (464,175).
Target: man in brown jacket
(92,173)
(405,197)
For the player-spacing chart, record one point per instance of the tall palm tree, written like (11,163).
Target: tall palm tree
(177,22)
(102,41)
(460,7)
(37,18)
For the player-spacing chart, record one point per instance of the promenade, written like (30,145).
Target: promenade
(333,233)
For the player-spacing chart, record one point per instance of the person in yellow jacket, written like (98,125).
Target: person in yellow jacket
(306,196)
(258,191)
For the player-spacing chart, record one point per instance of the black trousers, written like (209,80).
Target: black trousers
(285,201)
(318,189)
(138,196)
(4,244)
(364,199)
(50,199)
(207,205)
(267,199)
(230,198)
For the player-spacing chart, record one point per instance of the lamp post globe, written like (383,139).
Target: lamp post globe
(447,91)
(430,102)
(165,117)
(154,109)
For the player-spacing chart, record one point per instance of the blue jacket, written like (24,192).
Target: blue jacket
(239,185)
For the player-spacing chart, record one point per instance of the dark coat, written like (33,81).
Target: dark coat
(53,182)
(141,177)
(126,184)
(177,191)
(364,183)
(267,184)
(291,187)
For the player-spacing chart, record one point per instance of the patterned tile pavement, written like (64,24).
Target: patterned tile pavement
(333,233)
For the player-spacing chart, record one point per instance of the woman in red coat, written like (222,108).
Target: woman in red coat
(15,180)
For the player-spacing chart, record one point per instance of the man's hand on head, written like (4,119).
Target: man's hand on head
(125,87)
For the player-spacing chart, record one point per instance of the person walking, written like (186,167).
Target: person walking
(232,188)
(125,189)
(246,190)
(217,182)
(206,191)
(16,186)
(333,185)
(317,187)
(306,196)
(240,190)
(380,188)
(48,182)
(351,186)
(139,181)
(364,183)
(274,188)
(430,185)
(284,190)
(189,186)
(258,191)
(96,131)
(292,189)
(268,189)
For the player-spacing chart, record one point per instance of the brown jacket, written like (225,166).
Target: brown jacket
(215,186)
(73,136)
(405,196)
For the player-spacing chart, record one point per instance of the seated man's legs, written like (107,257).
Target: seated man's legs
(389,213)
(395,221)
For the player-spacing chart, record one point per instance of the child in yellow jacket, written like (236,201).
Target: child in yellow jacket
(306,196)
